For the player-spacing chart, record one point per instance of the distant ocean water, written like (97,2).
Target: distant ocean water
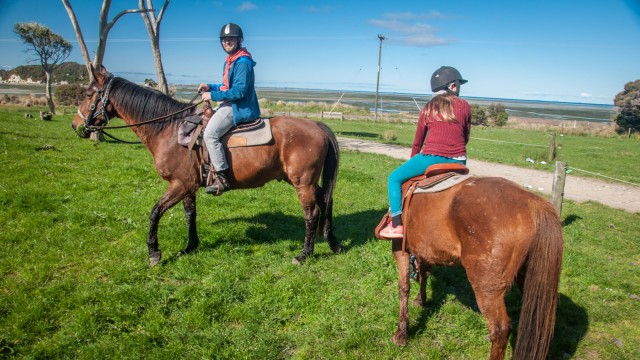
(397,102)
(412,103)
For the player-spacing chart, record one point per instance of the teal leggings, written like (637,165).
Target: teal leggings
(415,166)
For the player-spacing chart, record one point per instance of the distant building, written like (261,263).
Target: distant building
(16,79)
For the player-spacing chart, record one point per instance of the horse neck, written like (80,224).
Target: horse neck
(130,104)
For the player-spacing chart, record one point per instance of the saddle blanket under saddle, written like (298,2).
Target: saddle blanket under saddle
(440,185)
(255,133)
(252,134)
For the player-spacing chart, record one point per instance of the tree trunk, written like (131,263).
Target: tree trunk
(162,79)
(153,28)
(81,43)
(48,94)
(103,32)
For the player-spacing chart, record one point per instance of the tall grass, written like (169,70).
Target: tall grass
(74,279)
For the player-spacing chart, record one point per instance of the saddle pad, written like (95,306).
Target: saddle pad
(443,185)
(259,136)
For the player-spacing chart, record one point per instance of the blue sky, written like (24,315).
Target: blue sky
(575,51)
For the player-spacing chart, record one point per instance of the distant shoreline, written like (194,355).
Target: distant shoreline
(532,111)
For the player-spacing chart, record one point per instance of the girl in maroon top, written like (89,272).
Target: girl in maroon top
(441,137)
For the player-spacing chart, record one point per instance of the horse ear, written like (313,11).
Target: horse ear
(103,70)
(99,72)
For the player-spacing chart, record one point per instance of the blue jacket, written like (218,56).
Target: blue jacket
(241,92)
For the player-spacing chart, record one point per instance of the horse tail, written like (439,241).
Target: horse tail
(329,176)
(540,290)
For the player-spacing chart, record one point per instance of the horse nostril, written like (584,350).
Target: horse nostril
(73,126)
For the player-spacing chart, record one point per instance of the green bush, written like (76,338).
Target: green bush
(390,135)
(71,94)
(478,115)
(501,119)
(628,101)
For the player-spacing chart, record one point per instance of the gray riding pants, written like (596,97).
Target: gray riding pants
(220,123)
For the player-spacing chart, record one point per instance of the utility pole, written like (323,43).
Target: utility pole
(375,116)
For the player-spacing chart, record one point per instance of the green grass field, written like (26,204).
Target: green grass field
(75,280)
(613,157)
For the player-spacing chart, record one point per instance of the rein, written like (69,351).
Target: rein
(105,100)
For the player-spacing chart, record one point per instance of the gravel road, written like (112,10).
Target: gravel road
(580,189)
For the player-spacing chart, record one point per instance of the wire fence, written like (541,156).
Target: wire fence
(395,117)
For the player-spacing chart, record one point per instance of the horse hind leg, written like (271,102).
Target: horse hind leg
(325,223)
(493,308)
(311,211)
(424,271)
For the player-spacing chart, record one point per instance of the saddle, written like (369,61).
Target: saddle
(437,177)
(257,132)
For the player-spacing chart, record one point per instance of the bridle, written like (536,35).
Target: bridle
(103,97)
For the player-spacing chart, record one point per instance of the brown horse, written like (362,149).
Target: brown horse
(499,232)
(302,151)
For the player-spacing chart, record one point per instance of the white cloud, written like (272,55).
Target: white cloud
(247,6)
(319,9)
(409,32)
(585,95)
(411,16)
(403,27)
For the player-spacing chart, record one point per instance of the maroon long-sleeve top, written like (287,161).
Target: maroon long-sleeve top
(438,137)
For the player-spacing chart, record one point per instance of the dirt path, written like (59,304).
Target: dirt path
(615,195)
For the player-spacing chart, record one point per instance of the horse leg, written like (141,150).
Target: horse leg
(307,198)
(424,270)
(325,224)
(492,306)
(189,204)
(404,287)
(171,197)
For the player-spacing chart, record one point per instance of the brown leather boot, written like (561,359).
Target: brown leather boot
(220,184)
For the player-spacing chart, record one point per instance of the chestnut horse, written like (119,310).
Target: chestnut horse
(499,232)
(301,152)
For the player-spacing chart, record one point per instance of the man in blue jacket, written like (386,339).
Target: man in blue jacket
(236,98)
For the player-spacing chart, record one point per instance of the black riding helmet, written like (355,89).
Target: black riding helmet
(444,76)
(231,30)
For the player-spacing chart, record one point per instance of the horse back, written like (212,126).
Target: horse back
(295,155)
(487,219)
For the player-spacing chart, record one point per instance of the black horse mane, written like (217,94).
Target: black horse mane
(142,103)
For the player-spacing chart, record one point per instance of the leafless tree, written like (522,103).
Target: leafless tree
(153,27)
(104,28)
(51,50)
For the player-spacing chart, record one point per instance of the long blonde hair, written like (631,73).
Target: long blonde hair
(440,108)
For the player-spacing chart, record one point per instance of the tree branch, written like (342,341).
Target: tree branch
(164,6)
(81,43)
(130,11)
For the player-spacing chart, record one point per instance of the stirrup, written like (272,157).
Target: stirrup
(219,186)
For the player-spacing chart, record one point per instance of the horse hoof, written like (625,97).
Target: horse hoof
(155,259)
(399,340)
(297,260)
(184,252)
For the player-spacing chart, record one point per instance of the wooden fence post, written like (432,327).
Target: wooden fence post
(552,147)
(557,190)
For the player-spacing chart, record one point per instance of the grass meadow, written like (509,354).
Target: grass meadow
(615,157)
(75,280)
